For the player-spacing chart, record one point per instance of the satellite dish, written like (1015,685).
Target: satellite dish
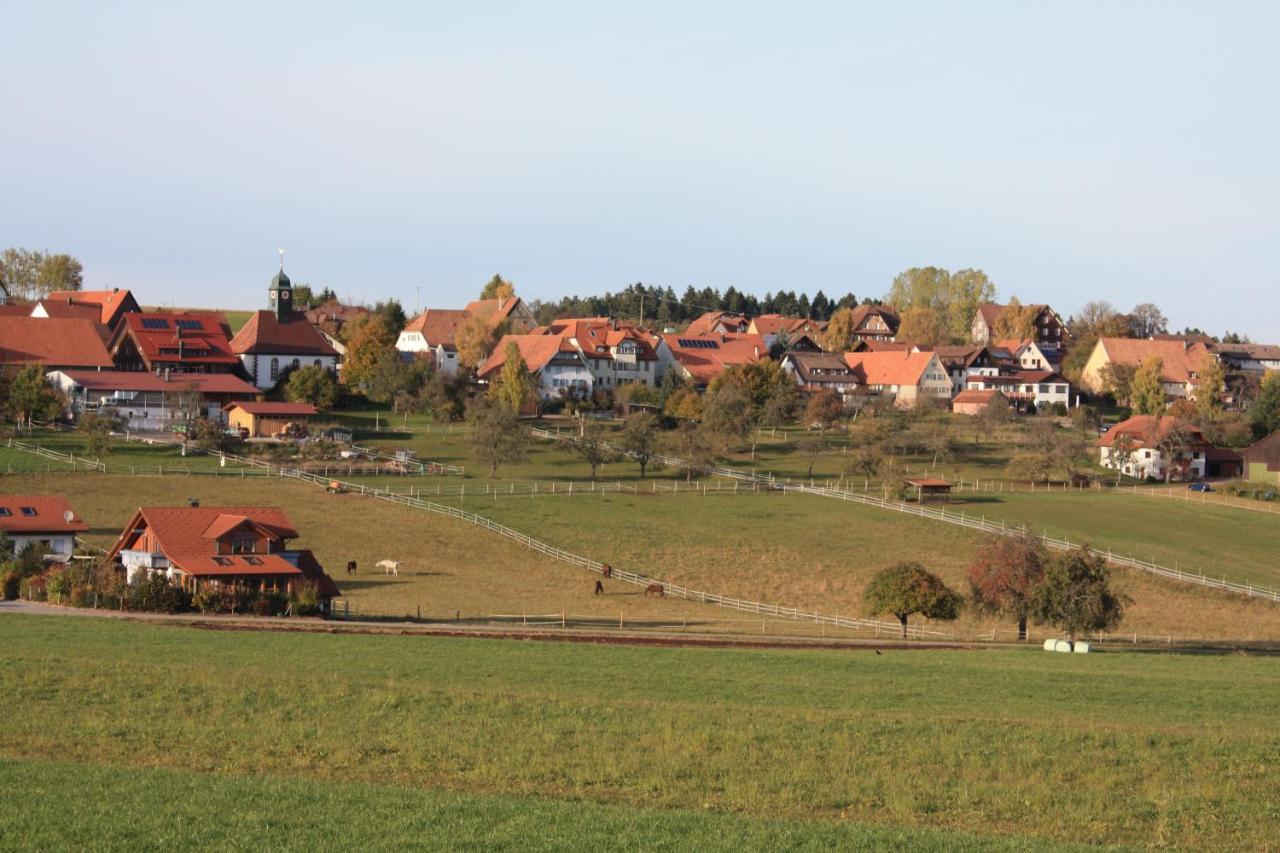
(68,516)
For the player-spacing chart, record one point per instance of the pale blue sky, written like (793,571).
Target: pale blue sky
(1125,151)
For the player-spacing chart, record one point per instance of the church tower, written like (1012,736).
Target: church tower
(280,295)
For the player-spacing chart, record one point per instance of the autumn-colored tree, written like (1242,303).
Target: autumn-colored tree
(824,410)
(953,299)
(811,447)
(923,325)
(476,338)
(838,336)
(513,385)
(683,404)
(1122,446)
(1264,414)
(693,446)
(1146,393)
(905,589)
(498,288)
(1016,322)
(31,396)
(1004,574)
(312,384)
(370,342)
(494,434)
(1213,379)
(1117,380)
(641,438)
(593,445)
(1173,443)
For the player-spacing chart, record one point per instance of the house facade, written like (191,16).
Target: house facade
(616,353)
(1262,461)
(558,369)
(279,339)
(269,418)
(104,307)
(1160,445)
(432,331)
(41,520)
(147,401)
(196,546)
(1041,389)
(1050,331)
(1181,362)
(169,342)
(874,323)
(906,377)
(819,371)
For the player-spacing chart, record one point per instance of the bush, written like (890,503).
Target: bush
(57,586)
(83,595)
(155,594)
(306,600)
(10,586)
(33,588)
(270,603)
(210,600)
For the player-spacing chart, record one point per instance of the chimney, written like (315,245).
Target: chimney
(1186,344)
(757,349)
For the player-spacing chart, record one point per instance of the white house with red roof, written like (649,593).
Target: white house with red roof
(558,369)
(1043,389)
(433,330)
(146,401)
(46,520)
(617,354)
(907,377)
(279,339)
(225,546)
(1160,446)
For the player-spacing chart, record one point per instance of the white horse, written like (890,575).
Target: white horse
(390,567)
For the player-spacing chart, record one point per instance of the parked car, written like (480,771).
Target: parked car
(1200,487)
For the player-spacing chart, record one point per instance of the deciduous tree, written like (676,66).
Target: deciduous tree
(824,410)
(498,288)
(513,385)
(593,445)
(1147,393)
(475,339)
(370,342)
(495,435)
(692,445)
(314,385)
(32,397)
(1146,320)
(1075,594)
(1004,573)
(1016,322)
(905,589)
(641,438)
(1213,380)
(1264,414)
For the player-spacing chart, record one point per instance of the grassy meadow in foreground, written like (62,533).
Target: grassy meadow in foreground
(1137,749)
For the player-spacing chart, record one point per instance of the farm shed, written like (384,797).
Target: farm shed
(972,402)
(263,420)
(927,489)
(1262,460)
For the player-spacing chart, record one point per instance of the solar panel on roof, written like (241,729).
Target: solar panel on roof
(188,324)
(697,343)
(154,323)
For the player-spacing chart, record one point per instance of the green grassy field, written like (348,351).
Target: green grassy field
(493,740)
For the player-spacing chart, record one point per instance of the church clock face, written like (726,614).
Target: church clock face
(284,295)
(272,295)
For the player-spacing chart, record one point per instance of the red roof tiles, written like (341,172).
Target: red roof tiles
(1150,430)
(704,356)
(38,514)
(51,342)
(264,333)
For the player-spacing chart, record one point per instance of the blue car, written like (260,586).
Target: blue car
(1200,487)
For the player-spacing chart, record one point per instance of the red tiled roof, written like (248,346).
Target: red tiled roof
(704,356)
(1179,359)
(50,515)
(177,337)
(15,309)
(137,380)
(973,396)
(110,303)
(334,311)
(889,368)
(706,324)
(438,326)
(862,313)
(536,350)
(52,342)
(269,408)
(597,337)
(266,334)
(890,346)
(1149,430)
(494,310)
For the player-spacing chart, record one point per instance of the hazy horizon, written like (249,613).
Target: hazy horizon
(1102,151)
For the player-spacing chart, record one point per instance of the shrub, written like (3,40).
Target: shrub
(33,588)
(57,586)
(209,600)
(270,603)
(82,595)
(306,600)
(10,586)
(155,594)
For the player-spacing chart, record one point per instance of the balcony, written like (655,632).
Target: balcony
(144,560)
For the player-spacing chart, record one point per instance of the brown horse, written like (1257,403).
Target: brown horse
(351,567)
(655,589)
(599,588)
(606,570)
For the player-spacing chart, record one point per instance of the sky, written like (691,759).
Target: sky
(1073,151)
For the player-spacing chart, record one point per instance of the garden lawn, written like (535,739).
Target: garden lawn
(1134,749)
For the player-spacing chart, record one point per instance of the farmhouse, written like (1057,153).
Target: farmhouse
(1051,333)
(559,371)
(1042,389)
(618,354)
(1181,362)
(433,330)
(54,343)
(104,307)
(771,327)
(816,371)
(46,520)
(173,342)
(147,401)
(1159,446)
(1247,358)
(699,358)
(224,546)
(905,376)
(874,323)
(279,339)
(718,323)
(268,419)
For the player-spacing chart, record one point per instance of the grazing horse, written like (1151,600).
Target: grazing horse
(656,589)
(606,570)
(599,588)
(351,567)
(390,567)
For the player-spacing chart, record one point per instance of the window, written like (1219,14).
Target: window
(154,323)
(189,324)
(275,369)
(29,511)
(222,561)
(253,561)
(316,363)
(1044,389)
(242,544)
(296,364)
(4,512)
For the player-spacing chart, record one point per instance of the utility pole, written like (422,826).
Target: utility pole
(642,309)
(417,300)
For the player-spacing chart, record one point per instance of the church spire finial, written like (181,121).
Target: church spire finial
(281,251)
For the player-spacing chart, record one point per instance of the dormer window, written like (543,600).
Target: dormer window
(29,511)
(243,543)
